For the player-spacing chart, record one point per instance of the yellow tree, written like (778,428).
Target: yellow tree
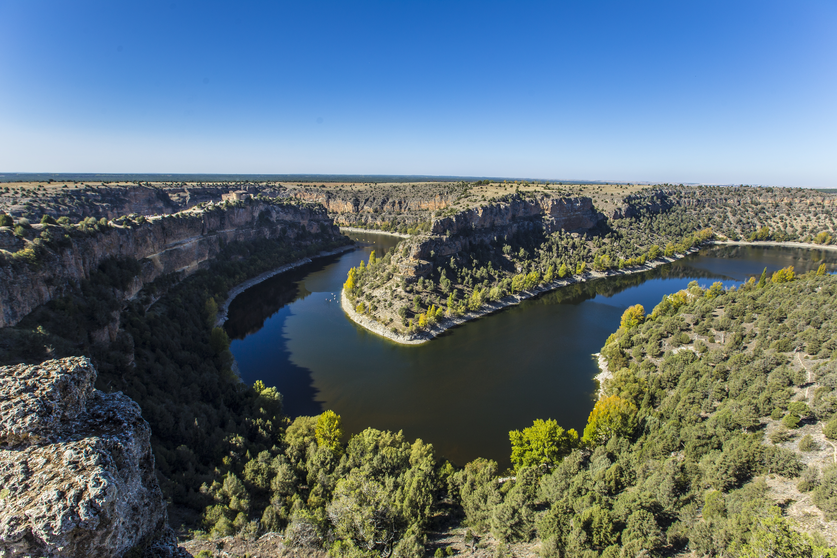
(784,275)
(633,316)
(329,431)
(542,444)
(351,281)
(611,416)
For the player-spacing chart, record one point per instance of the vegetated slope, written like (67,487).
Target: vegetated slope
(711,434)
(467,261)
(157,343)
(730,393)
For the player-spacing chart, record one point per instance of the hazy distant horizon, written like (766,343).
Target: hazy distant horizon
(312,177)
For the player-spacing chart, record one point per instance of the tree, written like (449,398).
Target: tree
(763,280)
(633,316)
(328,431)
(784,275)
(611,416)
(351,281)
(544,444)
(372,259)
(773,536)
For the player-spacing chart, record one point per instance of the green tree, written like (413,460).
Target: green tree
(328,431)
(763,280)
(544,444)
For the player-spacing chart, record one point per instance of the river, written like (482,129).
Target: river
(464,391)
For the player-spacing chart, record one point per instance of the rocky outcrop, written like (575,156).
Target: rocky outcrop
(488,223)
(164,244)
(569,214)
(355,208)
(652,202)
(110,202)
(77,473)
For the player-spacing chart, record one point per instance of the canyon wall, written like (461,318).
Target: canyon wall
(164,244)
(364,208)
(77,468)
(110,202)
(488,223)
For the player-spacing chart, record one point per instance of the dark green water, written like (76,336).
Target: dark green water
(464,391)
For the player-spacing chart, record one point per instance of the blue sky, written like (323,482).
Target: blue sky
(715,92)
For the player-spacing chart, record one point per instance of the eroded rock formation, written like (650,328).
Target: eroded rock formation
(76,469)
(165,244)
(488,223)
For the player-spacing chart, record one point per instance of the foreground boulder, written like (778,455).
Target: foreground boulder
(76,468)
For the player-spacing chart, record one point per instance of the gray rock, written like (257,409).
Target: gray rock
(76,467)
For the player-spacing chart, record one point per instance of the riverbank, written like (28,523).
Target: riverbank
(604,374)
(491,307)
(767,244)
(375,231)
(238,289)
(376,327)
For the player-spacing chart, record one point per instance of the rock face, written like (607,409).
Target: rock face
(113,201)
(654,202)
(452,235)
(76,469)
(569,214)
(164,244)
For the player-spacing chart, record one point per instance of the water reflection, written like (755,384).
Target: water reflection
(464,391)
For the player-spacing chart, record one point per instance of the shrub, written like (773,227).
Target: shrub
(807,443)
(791,420)
(830,429)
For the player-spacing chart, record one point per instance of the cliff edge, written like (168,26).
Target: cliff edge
(76,469)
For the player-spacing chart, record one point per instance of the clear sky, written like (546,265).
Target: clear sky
(677,91)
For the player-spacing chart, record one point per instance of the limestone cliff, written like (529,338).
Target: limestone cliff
(77,473)
(163,244)
(485,224)
(365,208)
(110,202)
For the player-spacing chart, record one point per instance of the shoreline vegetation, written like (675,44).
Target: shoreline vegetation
(491,307)
(240,288)
(512,300)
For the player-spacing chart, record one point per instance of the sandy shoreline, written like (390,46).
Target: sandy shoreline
(374,231)
(604,374)
(238,289)
(767,244)
(491,307)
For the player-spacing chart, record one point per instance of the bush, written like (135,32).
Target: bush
(791,420)
(830,429)
(807,443)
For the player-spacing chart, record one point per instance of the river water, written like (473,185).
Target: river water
(464,391)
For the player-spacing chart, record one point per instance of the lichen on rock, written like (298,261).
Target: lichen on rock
(76,467)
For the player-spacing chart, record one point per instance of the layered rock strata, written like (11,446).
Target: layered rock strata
(488,223)
(76,468)
(164,244)
(110,202)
